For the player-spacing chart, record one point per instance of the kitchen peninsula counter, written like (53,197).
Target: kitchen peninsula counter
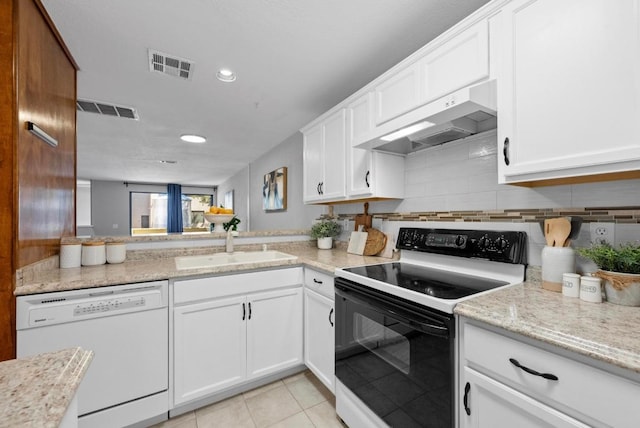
(603,332)
(37,391)
(156,265)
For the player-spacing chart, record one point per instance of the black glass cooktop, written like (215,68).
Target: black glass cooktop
(433,282)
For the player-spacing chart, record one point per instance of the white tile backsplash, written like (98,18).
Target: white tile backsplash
(606,194)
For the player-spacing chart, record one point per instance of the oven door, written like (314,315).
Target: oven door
(395,356)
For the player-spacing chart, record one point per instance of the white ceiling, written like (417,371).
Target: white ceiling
(294,60)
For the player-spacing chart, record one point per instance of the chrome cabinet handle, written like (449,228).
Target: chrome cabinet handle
(330,313)
(548,376)
(467,409)
(505,151)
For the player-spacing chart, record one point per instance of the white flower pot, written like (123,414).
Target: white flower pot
(325,243)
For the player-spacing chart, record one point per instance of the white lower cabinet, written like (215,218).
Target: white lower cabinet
(224,340)
(494,405)
(505,382)
(319,321)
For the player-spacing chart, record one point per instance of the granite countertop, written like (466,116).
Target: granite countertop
(36,391)
(603,331)
(159,268)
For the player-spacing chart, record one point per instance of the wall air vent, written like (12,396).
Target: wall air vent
(170,64)
(106,109)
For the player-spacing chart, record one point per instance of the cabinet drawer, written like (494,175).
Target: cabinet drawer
(319,282)
(586,393)
(189,290)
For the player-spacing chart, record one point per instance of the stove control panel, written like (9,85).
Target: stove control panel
(502,246)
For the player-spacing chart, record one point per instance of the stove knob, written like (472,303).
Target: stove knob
(459,240)
(483,243)
(501,243)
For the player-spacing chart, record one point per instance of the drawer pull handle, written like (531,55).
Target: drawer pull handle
(467,409)
(317,281)
(548,376)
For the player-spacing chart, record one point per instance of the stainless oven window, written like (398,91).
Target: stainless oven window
(397,360)
(392,347)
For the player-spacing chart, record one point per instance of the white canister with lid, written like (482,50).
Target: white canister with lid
(93,253)
(70,255)
(590,289)
(556,261)
(116,252)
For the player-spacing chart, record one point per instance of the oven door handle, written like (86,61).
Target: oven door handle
(385,309)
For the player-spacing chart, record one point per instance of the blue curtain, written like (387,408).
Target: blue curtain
(174,208)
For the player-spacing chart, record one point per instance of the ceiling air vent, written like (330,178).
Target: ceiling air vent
(170,64)
(106,109)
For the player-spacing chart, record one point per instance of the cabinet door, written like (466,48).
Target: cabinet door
(334,177)
(209,347)
(569,89)
(458,63)
(398,94)
(319,341)
(313,158)
(274,331)
(492,404)
(359,123)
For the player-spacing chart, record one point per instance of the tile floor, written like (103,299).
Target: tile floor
(298,401)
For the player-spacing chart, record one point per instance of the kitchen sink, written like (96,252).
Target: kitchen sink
(226,259)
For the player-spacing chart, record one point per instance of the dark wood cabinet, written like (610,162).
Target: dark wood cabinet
(37,180)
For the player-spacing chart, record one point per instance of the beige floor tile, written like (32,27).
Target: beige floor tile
(299,420)
(272,406)
(220,404)
(297,376)
(187,420)
(324,416)
(235,414)
(264,388)
(308,391)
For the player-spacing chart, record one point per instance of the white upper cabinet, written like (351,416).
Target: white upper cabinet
(569,86)
(459,62)
(456,62)
(370,174)
(398,94)
(324,159)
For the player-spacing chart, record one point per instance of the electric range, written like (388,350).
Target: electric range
(395,329)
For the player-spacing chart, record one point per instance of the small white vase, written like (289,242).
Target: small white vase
(325,243)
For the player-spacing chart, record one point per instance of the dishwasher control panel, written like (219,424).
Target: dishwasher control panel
(39,310)
(112,305)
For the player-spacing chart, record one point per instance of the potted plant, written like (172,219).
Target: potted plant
(324,231)
(619,268)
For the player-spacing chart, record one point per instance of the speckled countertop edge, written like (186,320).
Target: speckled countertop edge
(36,391)
(602,331)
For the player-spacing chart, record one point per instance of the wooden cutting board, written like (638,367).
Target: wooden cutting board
(357,241)
(375,243)
(364,219)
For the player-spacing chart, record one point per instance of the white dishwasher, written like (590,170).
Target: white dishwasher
(127,327)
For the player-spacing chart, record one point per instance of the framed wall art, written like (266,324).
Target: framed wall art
(274,190)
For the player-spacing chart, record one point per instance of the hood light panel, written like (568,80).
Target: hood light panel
(407,131)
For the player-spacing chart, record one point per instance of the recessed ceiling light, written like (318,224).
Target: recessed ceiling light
(226,75)
(192,138)
(168,161)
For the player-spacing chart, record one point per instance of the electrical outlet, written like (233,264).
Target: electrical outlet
(601,232)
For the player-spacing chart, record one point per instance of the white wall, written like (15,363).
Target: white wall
(297,215)
(239,183)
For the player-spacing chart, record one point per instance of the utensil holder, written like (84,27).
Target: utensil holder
(555,262)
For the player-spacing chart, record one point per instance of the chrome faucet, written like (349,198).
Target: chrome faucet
(229,243)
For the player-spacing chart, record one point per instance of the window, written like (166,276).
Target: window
(149,213)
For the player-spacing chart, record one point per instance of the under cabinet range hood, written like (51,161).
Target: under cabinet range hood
(465,112)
